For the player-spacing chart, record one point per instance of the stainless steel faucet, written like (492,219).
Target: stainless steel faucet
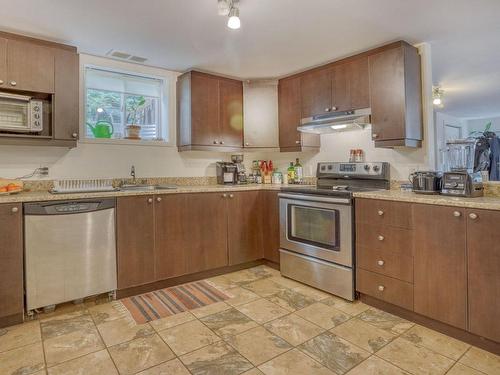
(132,174)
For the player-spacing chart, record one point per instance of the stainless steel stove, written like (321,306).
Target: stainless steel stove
(316,225)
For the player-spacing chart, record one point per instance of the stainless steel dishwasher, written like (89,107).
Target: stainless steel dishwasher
(70,251)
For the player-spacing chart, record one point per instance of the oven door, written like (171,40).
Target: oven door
(14,112)
(317,226)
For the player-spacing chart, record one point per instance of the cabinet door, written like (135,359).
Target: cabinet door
(30,67)
(483,255)
(135,240)
(316,92)
(3,62)
(387,94)
(341,88)
(204,110)
(206,231)
(231,113)
(11,260)
(289,112)
(244,227)
(66,105)
(440,263)
(359,83)
(171,236)
(271,225)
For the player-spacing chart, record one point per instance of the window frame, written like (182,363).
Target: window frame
(166,119)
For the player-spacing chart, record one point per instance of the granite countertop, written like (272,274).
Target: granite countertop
(487,203)
(38,196)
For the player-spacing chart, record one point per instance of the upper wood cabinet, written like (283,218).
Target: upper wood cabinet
(289,115)
(11,264)
(342,86)
(209,112)
(396,96)
(3,62)
(440,268)
(30,67)
(483,257)
(66,99)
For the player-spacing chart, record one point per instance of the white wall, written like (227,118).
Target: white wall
(479,124)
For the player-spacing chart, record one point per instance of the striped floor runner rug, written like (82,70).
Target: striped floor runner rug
(165,302)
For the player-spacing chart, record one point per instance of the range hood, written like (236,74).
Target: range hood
(336,121)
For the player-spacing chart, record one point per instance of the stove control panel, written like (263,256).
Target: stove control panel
(353,170)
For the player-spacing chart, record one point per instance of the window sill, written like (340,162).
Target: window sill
(126,142)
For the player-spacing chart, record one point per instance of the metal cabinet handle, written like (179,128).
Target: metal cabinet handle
(1,82)
(224,195)
(14,209)
(380,238)
(74,135)
(334,108)
(380,262)
(380,213)
(381,288)
(231,195)
(328,109)
(215,141)
(297,142)
(158,199)
(150,200)
(473,216)
(457,213)
(247,144)
(374,135)
(221,142)
(13,83)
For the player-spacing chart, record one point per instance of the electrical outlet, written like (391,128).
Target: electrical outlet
(43,171)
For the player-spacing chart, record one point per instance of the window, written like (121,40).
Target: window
(123,106)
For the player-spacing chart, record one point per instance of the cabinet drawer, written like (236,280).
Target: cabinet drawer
(385,288)
(374,211)
(380,237)
(385,262)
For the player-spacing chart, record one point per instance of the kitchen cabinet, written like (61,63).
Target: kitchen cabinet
(396,96)
(260,105)
(359,83)
(66,100)
(30,67)
(3,62)
(11,264)
(483,257)
(271,225)
(135,227)
(206,234)
(244,212)
(440,268)
(209,112)
(289,116)
(316,92)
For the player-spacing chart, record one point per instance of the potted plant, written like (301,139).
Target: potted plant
(135,106)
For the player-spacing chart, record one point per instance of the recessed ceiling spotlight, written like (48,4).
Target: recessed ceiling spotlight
(231,9)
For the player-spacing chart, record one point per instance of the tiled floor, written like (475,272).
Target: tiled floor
(271,326)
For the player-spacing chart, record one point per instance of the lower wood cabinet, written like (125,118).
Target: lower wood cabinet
(244,212)
(271,226)
(135,236)
(11,264)
(440,263)
(483,257)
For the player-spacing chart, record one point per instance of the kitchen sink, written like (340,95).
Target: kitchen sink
(146,187)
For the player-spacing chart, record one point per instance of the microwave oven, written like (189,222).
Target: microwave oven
(20,113)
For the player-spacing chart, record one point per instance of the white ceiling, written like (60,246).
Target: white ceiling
(279,37)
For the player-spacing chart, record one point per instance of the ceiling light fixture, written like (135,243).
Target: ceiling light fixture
(231,9)
(437,96)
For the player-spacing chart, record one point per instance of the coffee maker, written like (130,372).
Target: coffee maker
(465,159)
(241,173)
(227,173)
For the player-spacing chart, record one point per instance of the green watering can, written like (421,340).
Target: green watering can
(102,129)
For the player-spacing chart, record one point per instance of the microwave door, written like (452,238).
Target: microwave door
(14,115)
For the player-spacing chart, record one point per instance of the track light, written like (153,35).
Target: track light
(234,19)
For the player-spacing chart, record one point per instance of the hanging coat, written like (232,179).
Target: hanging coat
(495,159)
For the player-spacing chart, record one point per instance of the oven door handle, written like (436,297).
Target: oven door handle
(23,98)
(311,198)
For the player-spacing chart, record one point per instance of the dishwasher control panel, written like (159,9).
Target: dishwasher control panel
(68,207)
(75,207)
